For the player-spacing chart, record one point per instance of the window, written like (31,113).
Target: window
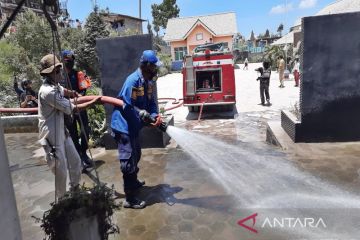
(199,36)
(208,80)
(179,53)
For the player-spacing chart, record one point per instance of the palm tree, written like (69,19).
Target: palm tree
(272,53)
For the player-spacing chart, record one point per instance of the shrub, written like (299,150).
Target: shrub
(97,119)
(98,201)
(166,68)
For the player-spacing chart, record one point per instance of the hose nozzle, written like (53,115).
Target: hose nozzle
(147,118)
(163,126)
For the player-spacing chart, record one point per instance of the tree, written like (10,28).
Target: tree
(149,28)
(280,29)
(94,28)
(163,12)
(33,39)
(33,34)
(156,29)
(252,36)
(71,38)
(267,33)
(21,51)
(273,52)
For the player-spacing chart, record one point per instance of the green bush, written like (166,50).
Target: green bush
(166,68)
(97,119)
(98,201)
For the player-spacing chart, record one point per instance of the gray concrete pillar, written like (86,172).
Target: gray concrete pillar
(9,218)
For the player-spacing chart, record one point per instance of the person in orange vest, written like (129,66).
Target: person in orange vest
(78,82)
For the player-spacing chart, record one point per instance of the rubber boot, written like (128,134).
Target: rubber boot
(131,201)
(138,183)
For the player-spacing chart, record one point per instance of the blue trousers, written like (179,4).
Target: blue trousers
(129,155)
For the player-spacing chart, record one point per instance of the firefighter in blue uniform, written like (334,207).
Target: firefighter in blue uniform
(126,123)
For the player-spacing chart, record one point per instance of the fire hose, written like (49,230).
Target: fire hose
(145,116)
(178,102)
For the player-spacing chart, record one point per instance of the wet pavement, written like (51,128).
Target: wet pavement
(185,200)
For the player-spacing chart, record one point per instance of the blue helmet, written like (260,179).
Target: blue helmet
(149,56)
(67,55)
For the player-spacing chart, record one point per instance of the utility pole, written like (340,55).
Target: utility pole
(140,9)
(9,221)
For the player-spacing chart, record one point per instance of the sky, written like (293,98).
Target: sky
(256,15)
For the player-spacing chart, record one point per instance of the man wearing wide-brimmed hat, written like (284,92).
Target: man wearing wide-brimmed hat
(61,154)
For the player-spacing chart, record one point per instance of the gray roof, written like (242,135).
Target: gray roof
(286,39)
(219,24)
(339,6)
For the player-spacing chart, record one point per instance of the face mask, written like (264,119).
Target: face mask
(69,64)
(150,72)
(154,74)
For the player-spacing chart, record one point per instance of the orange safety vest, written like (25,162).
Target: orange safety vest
(84,82)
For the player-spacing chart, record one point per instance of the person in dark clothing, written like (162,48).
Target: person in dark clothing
(28,98)
(265,74)
(18,90)
(73,124)
(138,96)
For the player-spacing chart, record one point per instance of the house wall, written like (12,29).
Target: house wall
(191,42)
(191,39)
(130,24)
(133,24)
(228,39)
(175,45)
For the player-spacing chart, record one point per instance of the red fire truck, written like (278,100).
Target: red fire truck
(208,77)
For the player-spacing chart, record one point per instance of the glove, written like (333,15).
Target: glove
(158,121)
(144,116)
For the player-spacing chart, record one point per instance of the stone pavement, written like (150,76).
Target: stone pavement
(186,201)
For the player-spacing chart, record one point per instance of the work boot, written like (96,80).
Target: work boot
(268,102)
(139,183)
(86,160)
(131,201)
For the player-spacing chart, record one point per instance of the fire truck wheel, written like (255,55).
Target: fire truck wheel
(229,108)
(193,109)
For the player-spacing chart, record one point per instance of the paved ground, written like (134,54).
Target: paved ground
(186,200)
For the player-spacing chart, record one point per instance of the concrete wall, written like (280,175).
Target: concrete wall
(9,221)
(330,81)
(119,57)
(20,123)
(133,24)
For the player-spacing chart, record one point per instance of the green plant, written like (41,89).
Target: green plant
(162,111)
(97,119)
(162,12)
(273,52)
(295,109)
(97,201)
(166,60)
